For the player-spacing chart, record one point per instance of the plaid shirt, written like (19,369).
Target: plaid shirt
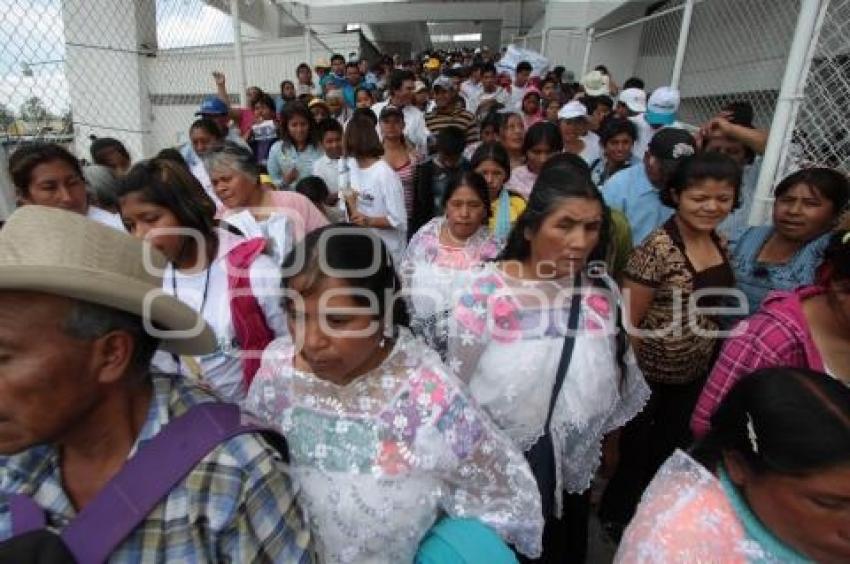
(237,505)
(778,335)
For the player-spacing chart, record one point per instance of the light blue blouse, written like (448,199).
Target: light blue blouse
(283,157)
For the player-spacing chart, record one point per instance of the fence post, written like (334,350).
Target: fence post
(237,50)
(789,97)
(586,60)
(682,47)
(308,33)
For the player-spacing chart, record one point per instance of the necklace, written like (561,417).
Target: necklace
(194,366)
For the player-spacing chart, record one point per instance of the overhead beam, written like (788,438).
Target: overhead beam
(397,12)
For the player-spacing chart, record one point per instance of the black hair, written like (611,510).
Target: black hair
(352,65)
(346,247)
(613,126)
(474,181)
(491,119)
(829,183)
(742,113)
(603,69)
(702,166)
(634,82)
(265,100)
(291,111)
(303,66)
(545,81)
(489,67)
(285,82)
(24,160)
(98,144)
(492,151)
(366,90)
(604,100)
(208,125)
(314,189)
(337,57)
(451,141)
(173,155)
(397,78)
(543,132)
(836,259)
(164,183)
(563,176)
(329,125)
(365,113)
(791,421)
(524,66)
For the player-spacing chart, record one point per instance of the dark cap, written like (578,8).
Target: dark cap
(671,143)
(391,111)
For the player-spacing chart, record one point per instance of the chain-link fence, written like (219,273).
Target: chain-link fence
(137,70)
(822,131)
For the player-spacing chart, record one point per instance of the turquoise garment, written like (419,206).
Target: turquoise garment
(463,541)
(756,279)
(503,220)
(775,549)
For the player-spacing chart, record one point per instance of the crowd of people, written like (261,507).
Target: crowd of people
(426,311)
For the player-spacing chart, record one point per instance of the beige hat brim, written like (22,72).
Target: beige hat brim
(190,335)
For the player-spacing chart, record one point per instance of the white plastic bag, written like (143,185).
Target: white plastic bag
(515,55)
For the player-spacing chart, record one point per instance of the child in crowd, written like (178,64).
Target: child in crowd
(541,141)
(492,162)
(293,156)
(327,166)
(433,176)
(314,189)
(264,130)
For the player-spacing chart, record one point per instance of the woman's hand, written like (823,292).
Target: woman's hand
(291,176)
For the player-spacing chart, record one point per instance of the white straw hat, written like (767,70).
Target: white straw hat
(65,254)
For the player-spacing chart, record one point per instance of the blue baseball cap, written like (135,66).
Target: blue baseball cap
(212,106)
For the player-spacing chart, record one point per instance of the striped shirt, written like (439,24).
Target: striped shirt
(237,505)
(438,121)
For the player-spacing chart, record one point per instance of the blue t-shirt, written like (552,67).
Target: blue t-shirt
(631,192)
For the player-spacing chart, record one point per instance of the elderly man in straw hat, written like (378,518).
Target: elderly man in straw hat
(125,465)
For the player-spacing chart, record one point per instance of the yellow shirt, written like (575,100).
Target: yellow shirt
(517,206)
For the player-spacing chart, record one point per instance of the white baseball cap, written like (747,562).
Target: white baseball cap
(572,110)
(634,99)
(663,106)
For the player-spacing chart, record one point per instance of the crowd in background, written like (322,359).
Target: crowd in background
(569,314)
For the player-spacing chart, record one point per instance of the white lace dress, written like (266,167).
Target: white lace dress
(380,459)
(506,341)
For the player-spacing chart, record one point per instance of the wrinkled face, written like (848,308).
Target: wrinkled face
(705,203)
(332,144)
(392,127)
(338,335)
(513,134)
(444,98)
(536,156)
(287,91)
(802,213)
(234,189)
(152,223)
(811,513)
(495,175)
(48,380)
(618,149)
(465,213)
(298,129)
(57,185)
(531,105)
(364,99)
(728,146)
(352,75)
(566,237)
(203,141)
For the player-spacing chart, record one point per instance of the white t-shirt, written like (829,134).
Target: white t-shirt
(277,229)
(327,169)
(517,94)
(415,128)
(471,92)
(380,194)
(222,369)
(500,95)
(100,215)
(592,150)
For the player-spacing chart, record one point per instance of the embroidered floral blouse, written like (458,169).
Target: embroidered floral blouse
(506,340)
(379,459)
(433,274)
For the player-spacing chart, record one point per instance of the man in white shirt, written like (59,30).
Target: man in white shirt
(491,92)
(401,87)
(520,85)
(471,88)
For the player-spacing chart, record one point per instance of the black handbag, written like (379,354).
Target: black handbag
(541,456)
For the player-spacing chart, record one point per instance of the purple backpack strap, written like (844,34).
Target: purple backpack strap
(27,516)
(149,476)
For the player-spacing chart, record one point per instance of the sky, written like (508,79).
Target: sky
(32,33)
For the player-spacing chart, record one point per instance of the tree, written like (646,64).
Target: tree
(34,110)
(7,117)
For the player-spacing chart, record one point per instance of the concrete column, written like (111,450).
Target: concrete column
(106,46)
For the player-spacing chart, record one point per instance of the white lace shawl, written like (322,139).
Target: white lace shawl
(510,368)
(380,458)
